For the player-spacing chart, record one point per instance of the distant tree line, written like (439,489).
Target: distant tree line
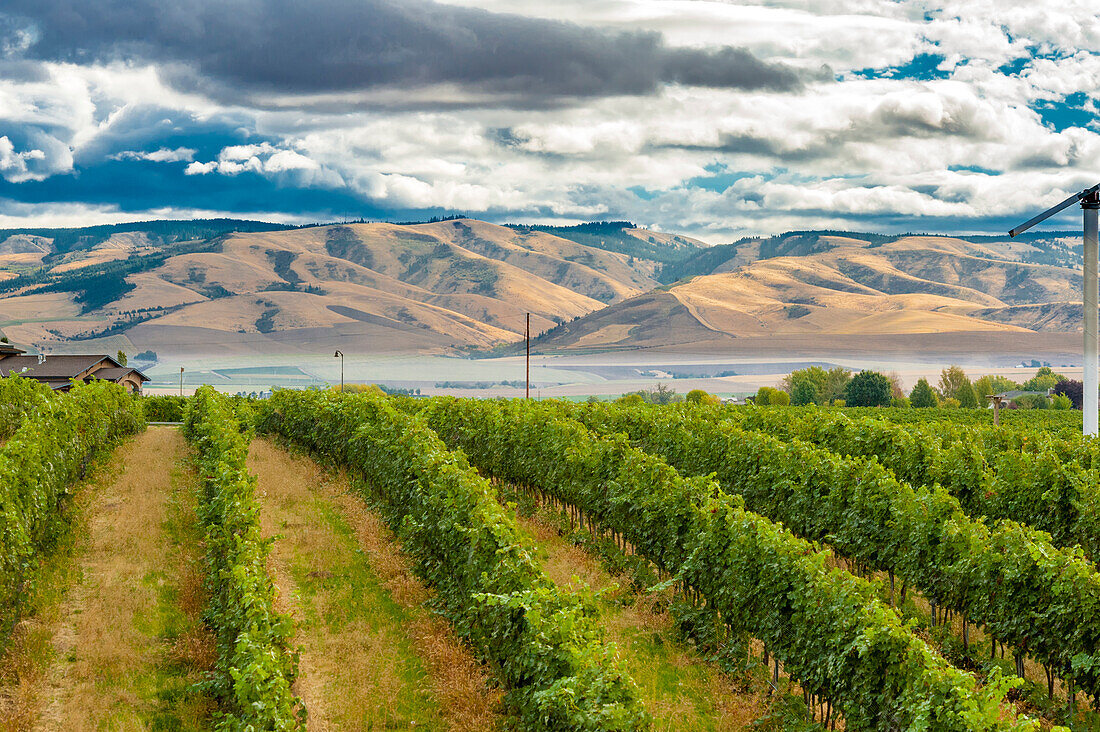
(839,387)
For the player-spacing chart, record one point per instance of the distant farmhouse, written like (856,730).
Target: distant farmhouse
(58,371)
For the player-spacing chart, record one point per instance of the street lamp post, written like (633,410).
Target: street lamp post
(341,356)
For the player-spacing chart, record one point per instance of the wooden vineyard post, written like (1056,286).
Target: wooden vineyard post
(997,399)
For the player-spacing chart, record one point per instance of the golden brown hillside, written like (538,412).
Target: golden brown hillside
(445,285)
(832,286)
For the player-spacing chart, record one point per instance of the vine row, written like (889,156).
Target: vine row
(18,398)
(828,627)
(255,666)
(1021,475)
(46,455)
(1043,600)
(542,642)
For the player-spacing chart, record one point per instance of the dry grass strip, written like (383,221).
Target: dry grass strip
(671,678)
(107,644)
(455,681)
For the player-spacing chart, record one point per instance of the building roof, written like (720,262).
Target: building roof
(7,349)
(52,367)
(114,374)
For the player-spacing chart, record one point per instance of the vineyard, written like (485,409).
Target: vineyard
(320,560)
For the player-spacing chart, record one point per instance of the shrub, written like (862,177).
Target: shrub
(1072,389)
(1061,401)
(923,396)
(163,408)
(698,396)
(766,396)
(868,389)
(803,393)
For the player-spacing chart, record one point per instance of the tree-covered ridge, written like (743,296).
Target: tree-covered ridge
(165,232)
(612,236)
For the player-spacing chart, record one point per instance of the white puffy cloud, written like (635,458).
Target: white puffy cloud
(161,155)
(964,144)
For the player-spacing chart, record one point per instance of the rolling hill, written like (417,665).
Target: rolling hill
(831,284)
(466,285)
(454,284)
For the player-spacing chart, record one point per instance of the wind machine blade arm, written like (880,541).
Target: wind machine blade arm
(1051,211)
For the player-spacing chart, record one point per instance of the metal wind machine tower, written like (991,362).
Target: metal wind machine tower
(1090,202)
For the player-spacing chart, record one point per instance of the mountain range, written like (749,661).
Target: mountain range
(463,285)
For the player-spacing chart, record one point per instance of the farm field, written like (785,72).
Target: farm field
(324,561)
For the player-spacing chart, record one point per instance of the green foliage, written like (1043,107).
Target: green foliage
(255,666)
(767,396)
(993,384)
(968,399)
(900,402)
(1061,401)
(1045,378)
(50,451)
(1001,473)
(828,627)
(923,396)
(1032,401)
(163,408)
(541,641)
(804,392)
(868,389)
(1012,578)
(121,357)
(660,394)
(828,386)
(18,398)
(698,396)
(952,381)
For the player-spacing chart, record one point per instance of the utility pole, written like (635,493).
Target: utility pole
(528,355)
(181,381)
(340,354)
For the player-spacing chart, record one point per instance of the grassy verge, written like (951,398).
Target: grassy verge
(372,657)
(116,641)
(677,687)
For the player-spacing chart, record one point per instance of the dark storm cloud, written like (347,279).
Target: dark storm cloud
(286,46)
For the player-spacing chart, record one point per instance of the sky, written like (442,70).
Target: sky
(710,118)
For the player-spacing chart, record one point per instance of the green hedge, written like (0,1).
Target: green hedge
(542,642)
(828,627)
(47,454)
(18,398)
(255,665)
(164,408)
(1043,600)
(1050,484)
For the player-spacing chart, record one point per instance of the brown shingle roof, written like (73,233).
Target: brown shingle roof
(53,368)
(114,374)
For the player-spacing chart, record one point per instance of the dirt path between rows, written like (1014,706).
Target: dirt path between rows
(372,657)
(678,688)
(128,643)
